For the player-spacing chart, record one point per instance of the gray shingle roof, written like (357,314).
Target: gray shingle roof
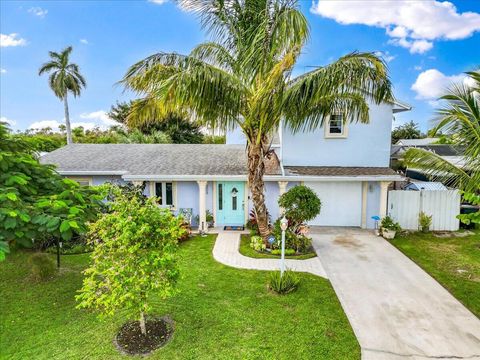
(151,159)
(338,171)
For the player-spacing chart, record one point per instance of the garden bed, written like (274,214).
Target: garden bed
(246,250)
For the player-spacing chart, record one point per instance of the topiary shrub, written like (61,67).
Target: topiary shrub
(301,204)
(42,267)
(283,284)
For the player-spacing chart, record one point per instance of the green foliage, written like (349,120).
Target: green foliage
(42,267)
(297,241)
(409,130)
(424,221)
(287,252)
(283,284)
(471,218)
(35,202)
(301,204)
(257,243)
(134,256)
(389,224)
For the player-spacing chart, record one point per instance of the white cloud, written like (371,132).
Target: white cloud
(38,11)
(386,56)
(159,2)
(3,71)
(99,115)
(431,84)
(410,24)
(84,41)
(11,40)
(54,125)
(8,121)
(418,67)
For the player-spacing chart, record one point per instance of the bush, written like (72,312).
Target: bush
(301,204)
(257,243)
(42,266)
(424,221)
(287,252)
(300,243)
(283,284)
(389,224)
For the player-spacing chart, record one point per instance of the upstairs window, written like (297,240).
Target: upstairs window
(164,193)
(336,128)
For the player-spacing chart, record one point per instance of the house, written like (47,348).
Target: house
(346,164)
(416,142)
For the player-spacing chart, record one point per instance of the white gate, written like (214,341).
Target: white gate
(443,205)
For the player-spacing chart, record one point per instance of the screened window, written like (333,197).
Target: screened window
(164,193)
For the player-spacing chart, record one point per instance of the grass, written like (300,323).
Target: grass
(219,313)
(453,262)
(245,249)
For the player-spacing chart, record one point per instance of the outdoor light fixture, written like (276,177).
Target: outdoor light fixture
(284,223)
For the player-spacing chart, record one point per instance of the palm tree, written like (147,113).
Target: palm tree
(242,78)
(460,116)
(65,77)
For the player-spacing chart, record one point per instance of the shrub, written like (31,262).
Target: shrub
(424,221)
(389,224)
(287,252)
(42,267)
(257,243)
(301,204)
(300,243)
(283,284)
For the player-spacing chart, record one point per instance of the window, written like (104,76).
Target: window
(82,181)
(164,193)
(220,196)
(234,198)
(335,127)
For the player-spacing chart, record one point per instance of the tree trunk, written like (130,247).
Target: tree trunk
(143,327)
(256,170)
(67,121)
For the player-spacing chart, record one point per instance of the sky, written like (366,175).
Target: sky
(427,45)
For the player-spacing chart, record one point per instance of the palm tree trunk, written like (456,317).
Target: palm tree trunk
(256,170)
(67,121)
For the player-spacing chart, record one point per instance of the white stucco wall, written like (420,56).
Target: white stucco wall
(365,145)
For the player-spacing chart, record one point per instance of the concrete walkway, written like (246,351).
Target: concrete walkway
(396,310)
(226,252)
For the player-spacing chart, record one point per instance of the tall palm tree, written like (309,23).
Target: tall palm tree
(64,77)
(242,78)
(460,116)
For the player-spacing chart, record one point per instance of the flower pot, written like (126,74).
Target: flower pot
(388,234)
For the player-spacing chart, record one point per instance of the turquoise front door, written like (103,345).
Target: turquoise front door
(230,203)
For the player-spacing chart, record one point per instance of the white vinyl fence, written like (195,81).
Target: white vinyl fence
(443,205)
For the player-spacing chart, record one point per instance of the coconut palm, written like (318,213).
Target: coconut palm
(243,78)
(460,116)
(64,77)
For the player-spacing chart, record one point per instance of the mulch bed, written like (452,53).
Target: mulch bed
(131,341)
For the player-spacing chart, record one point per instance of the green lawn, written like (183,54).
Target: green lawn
(220,313)
(453,262)
(245,249)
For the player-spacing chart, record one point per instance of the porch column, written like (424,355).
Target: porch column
(364,204)
(383,198)
(202,207)
(282,189)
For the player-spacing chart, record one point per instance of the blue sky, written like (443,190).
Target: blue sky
(427,44)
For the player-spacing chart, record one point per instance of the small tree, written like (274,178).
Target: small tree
(134,255)
(301,204)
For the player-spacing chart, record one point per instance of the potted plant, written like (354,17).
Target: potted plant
(389,228)
(424,221)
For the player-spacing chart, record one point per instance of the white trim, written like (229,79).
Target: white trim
(214,203)
(91,173)
(80,178)
(364,204)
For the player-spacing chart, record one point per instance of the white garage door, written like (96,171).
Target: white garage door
(341,203)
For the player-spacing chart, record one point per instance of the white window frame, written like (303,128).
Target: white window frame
(342,135)
(153,193)
(83,179)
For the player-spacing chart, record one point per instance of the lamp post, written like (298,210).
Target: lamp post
(283,226)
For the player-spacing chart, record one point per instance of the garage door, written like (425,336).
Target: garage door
(341,203)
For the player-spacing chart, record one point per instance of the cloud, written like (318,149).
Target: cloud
(386,56)
(3,71)
(418,67)
(54,125)
(159,2)
(431,84)
(84,41)
(8,121)
(410,24)
(38,11)
(11,40)
(99,115)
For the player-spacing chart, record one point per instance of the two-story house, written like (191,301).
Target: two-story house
(346,164)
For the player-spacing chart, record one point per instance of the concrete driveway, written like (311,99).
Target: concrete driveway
(397,311)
